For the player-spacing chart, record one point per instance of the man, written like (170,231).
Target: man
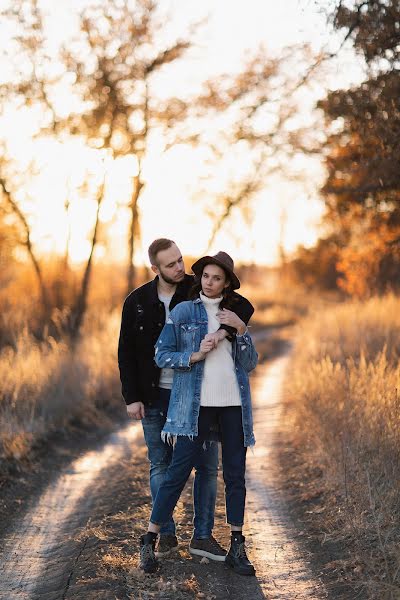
(146,388)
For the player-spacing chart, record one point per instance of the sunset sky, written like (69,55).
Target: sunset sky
(170,205)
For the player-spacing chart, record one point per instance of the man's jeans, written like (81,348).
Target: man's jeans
(206,469)
(185,454)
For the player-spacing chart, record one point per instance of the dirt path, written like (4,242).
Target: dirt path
(283,567)
(79,540)
(40,553)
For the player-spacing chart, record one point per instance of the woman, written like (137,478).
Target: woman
(210,399)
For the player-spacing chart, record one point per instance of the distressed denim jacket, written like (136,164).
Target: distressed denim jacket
(186,327)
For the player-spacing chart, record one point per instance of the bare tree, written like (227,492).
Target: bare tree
(80,307)
(264,104)
(112,71)
(115,64)
(118,59)
(26,242)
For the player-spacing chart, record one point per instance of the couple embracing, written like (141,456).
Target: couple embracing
(184,356)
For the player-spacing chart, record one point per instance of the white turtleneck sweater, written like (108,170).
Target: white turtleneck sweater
(219,386)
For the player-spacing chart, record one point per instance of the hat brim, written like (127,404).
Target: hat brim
(199,265)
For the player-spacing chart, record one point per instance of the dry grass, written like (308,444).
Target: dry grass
(280,303)
(45,383)
(344,384)
(49,385)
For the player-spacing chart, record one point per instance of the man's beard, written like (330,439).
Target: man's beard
(169,279)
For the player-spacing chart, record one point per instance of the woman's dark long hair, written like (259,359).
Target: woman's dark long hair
(229,297)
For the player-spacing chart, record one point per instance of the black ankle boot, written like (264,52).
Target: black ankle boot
(237,558)
(148,562)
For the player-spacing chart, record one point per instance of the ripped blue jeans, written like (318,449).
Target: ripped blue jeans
(206,469)
(187,452)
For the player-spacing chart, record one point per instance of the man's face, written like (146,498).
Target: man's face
(170,266)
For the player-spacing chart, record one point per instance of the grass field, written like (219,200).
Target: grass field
(49,385)
(344,389)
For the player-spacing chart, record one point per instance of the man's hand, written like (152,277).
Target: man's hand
(228,317)
(135,410)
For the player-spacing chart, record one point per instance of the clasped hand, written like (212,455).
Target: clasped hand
(209,342)
(228,317)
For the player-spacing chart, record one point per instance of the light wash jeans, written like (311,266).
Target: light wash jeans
(206,469)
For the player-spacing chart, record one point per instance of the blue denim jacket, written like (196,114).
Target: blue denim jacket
(186,327)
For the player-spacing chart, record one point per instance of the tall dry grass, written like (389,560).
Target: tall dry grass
(344,383)
(47,385)
(279,302)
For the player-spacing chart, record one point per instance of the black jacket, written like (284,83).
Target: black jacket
(143,317)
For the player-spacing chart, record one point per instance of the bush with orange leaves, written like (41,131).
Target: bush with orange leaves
(370,263)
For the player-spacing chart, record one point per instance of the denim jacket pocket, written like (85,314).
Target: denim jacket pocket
(189,332)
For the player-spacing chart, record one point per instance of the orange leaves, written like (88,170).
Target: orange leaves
(362,262)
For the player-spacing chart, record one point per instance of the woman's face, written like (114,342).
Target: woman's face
(213,281)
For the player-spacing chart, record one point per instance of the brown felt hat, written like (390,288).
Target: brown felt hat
(223,260)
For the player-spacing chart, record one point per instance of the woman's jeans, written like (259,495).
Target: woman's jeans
(206,466)
(185,455)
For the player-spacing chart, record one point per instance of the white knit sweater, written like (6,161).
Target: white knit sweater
(219,386)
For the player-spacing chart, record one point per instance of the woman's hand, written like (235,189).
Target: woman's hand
(228,317)
(207,344)
(216,337)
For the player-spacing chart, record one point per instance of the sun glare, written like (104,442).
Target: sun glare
(171,206)
(60,200)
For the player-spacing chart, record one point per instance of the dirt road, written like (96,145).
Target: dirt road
(283,567)
(47,555)
(39,554)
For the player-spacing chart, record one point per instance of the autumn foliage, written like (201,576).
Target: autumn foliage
(362,188)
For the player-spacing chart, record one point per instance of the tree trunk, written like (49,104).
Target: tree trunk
(67,205)
(28,245)
(43,291)
(133,231)
(81,303)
